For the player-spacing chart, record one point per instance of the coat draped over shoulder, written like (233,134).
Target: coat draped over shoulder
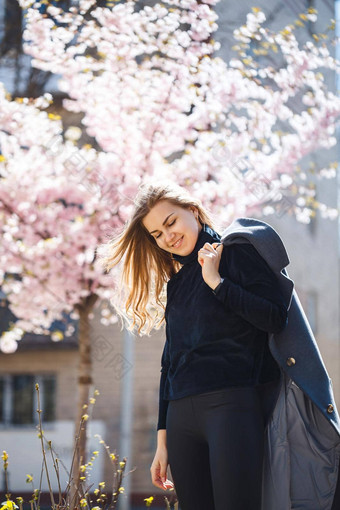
(302,435)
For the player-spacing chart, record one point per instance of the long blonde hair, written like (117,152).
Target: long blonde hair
(146,267)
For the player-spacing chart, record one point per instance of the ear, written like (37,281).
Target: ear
(195,211)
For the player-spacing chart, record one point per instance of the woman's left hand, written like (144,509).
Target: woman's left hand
(209,257)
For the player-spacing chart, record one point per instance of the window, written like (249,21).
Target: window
(22,399)
(19,399)
(1,400)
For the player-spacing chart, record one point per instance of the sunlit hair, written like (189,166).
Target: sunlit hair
(146,267)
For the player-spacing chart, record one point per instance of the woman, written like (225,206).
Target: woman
(220,306)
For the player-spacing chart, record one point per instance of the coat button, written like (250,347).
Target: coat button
(330,408)
(291,362)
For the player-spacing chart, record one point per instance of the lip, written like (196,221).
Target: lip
(180,239)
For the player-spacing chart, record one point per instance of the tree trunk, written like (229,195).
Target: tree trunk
(84,385)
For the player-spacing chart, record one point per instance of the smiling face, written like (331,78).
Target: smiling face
(174,228)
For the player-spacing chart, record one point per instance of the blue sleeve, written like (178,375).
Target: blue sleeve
(251,290)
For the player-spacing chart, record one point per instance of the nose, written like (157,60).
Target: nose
(169,238)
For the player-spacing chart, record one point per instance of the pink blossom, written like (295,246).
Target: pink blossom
(158,104)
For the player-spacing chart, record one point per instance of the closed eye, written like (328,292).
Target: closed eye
(170,225)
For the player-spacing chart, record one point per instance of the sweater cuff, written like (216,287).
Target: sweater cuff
(216,289)
(163,403)
(163,408)
(222,289)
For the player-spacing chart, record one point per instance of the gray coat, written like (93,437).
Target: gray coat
(302,447)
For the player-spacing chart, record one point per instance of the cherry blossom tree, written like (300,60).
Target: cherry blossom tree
(157,104)
(152,93)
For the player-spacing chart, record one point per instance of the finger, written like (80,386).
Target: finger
(155,476)
(217,245)
(168,484)
(204,258)
(205,253)
(208,246)
(157,482)
(207,249)
(159,485)
(218,248)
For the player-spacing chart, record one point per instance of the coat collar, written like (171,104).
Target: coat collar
(267,242)
(263,236)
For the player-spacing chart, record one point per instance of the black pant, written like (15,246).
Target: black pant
(215,449)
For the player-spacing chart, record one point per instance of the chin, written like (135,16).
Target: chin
(186,252)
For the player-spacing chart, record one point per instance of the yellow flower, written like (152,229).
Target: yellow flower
(95,453)
(121,489)
(149,500)
(82,468)
(122,464)
(57,335)
(29,478)
(8,505)
(20,500)
(82,478)
(5,459)
(83,502)
(85,417)
(52,116)
(85,406)
(96,393)
(112,456)
(101,485)
(96,492)
(2,158)
(92,400)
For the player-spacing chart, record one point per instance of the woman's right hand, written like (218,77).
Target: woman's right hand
(159,468)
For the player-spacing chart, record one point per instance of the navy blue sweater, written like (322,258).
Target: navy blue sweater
(217,341)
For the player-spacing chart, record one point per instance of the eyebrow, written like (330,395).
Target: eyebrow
(164,222)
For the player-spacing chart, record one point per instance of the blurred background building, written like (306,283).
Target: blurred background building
(127,370)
